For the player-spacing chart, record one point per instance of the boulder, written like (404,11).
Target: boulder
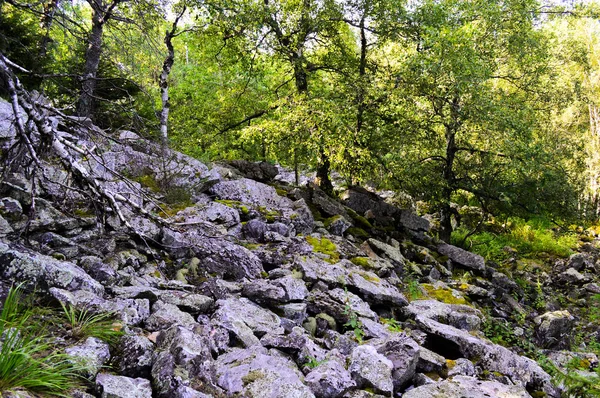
(93,353)
(259,373)
(403,352)
(370,369)
(458,315)
(329,380)
(135,359)
(259,171)
(166,315)
(110,386)
(467,387)
(554,329)
(22,265)
(246,320)
(462,258)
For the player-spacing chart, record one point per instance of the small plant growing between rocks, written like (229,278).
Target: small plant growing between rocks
(28,360)
(353,322)
(83,324)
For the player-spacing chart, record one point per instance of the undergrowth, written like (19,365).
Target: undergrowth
(28,359)
(531,239)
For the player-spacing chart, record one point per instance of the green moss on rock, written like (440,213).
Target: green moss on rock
(324,246)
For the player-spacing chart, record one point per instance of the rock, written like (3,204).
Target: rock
(5,228)
(295,288)
(263,196)
(388,252)
(190,302)
(458,315)
(592,288)
(554,329)
(93,353)
(339,304)
(259,171)
(314,269)
(219,256)
(376,290)
(462,258)
(135,359)
(412,222)
(295,312)
(209,211)
(362,201)
(110,386)
(165,315)
(338,225)
(258,373)
(491,357)
(403,352)
(11,209)
(98,270)
(329,380)
(21,265)
(255,230)
(429,361)
(573,277)
(466,387)
(328,206)
(264,292)
(580,261)
(462,367)
(246,320)
(371,369)
(181,356)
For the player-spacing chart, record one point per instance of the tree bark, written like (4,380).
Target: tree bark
(46,24)
(448,173)
(100,14)
(164,80)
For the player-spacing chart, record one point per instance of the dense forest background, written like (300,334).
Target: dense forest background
(472,109)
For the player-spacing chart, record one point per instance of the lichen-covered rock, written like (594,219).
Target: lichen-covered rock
(375,289)
(329,380)
(219,256)
(264,292)
(429,361)
(462,258)
(403,352)
(208,211)
(166,315)
(186,301)
(110,386)
(462,367)
(135,359)
(259,171)
(388,252)
(246,320)
(93,353)
(458,315)
(491,357)
(573,277)
(22,265)
(295,288)
(554,329)
(259,373)
(181,355)
(264,196)
(371,369)
(467,387)
(339,303)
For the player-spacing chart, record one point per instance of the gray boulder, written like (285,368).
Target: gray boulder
(376,290)
(370,369)
(462,258)
(467,387)
(135,359)
(93,353)
(339,304)
(329,380)
(554,329)
(259,373)
(219,256)
(403,352)
(246,320)
(458,315)
(462,367)
(110,386)
(21,265)
(166,315)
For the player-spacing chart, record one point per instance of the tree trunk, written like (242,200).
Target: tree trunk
(85,106)
(164,81)
(46,24)
(448,173)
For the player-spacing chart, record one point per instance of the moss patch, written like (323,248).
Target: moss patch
(360,220)
(324,246)
(443,295)
(357,233)
(361,262)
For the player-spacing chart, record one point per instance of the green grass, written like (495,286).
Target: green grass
(28,360)
(531,239)
(83,324)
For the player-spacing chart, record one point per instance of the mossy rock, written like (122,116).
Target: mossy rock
(360,221)
(324,246)
(358,233)
(148,181)
(361,262)
(327,223)
(443,295)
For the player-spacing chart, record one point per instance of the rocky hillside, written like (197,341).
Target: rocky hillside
(229,281)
